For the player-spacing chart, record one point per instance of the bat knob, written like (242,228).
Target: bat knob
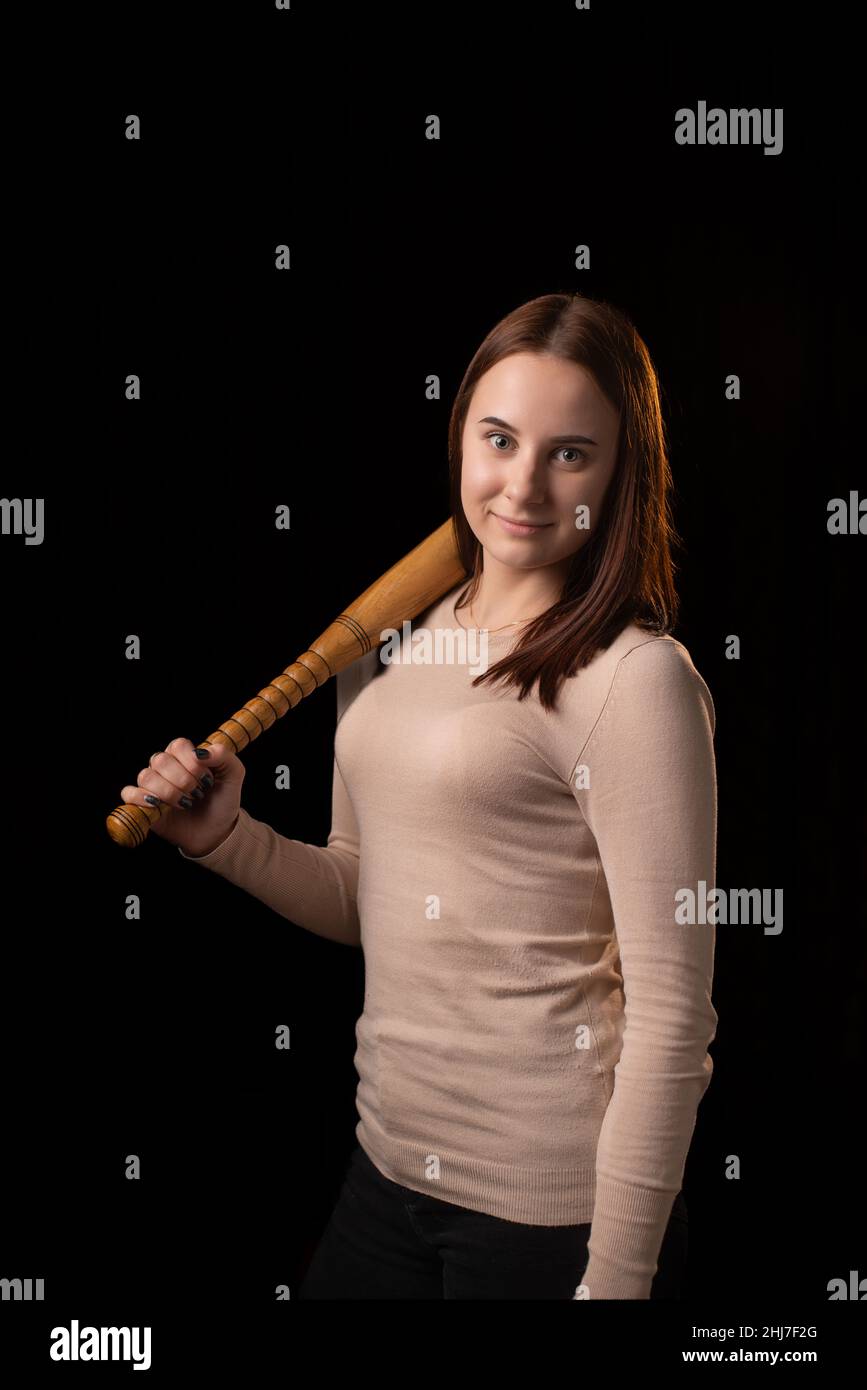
(128,825)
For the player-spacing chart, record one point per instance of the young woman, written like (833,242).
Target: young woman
(519,850)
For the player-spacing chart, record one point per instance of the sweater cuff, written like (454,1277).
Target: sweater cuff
(626,1235)
(216,856)
(601,1279)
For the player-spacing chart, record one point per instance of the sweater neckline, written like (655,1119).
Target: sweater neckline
(493,638)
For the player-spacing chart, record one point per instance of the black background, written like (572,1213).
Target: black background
(306,388)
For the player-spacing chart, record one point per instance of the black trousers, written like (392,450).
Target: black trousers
(384,1240)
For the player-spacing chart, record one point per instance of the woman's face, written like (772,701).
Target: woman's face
(539,442)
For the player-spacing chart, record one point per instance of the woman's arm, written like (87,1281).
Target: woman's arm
(313,886)
(651,806)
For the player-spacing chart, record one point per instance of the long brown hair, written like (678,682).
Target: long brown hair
(625,571)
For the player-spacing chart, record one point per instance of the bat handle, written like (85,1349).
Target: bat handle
(128,824)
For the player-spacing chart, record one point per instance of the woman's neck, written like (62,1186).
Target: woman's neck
(512,597)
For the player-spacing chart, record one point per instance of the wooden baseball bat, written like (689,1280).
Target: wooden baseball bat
(401,593)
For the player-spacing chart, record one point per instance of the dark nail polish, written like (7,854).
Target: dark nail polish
(186,802)
(154,800)
(203,752)
(198,793)
(207,781)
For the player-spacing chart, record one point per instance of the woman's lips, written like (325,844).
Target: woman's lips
(519,528)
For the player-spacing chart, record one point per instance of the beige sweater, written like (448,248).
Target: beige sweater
(537,1011)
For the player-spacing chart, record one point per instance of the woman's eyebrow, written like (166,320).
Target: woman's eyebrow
(555,438)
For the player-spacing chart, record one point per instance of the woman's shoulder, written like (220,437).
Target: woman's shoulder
(353,678)
(656,652)
(651,669)
(641,670)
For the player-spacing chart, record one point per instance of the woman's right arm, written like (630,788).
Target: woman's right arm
(314,886)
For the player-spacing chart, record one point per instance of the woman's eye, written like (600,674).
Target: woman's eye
(566,448)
